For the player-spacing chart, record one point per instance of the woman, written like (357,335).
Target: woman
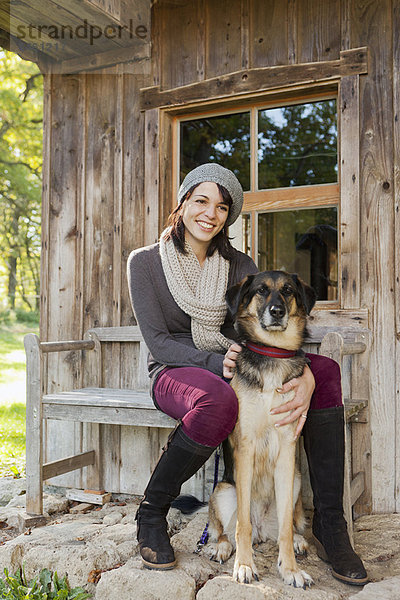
(177,289)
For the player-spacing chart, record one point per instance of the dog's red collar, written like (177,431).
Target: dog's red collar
(270,351)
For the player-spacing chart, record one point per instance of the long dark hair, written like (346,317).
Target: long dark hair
(177,232)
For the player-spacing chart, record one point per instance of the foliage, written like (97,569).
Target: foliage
(12,397)
(298,145)
(21,100)
(224,140)
(12,445)
(45,586)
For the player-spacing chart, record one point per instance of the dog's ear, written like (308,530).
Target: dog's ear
(306,295)
(235,295)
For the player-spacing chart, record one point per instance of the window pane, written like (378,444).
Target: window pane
(297,145)
(224,140)
(302,242)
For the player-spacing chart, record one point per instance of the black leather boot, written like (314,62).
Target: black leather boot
(181,458)
(324,446)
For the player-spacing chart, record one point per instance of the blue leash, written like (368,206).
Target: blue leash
(204,536)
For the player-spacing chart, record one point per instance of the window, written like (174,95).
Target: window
(223,139)
(286,160)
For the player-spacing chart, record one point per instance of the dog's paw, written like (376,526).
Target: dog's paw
(300,545)
(209,550)
(244,573)
(222,551)
(295,577)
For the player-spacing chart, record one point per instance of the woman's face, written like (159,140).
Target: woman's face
(204,214)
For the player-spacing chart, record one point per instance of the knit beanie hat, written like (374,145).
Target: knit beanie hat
(217,174)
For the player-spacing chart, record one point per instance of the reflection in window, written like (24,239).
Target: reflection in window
(297,145)
(224,140)
(302,242)
(246,233)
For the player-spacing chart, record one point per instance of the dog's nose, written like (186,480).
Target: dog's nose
(277,311)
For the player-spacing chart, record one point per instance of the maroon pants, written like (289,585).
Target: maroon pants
(208,406)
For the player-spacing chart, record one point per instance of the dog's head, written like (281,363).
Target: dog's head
(271,308)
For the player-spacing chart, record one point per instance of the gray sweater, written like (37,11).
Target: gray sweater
(164,326)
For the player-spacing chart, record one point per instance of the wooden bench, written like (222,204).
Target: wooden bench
(96,404)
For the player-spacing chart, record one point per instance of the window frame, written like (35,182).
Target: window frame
(161,134)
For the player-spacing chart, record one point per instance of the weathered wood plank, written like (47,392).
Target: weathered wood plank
(349,226)
(117,266)
(156,42)
(64,311)
(151,177)
(345,23)
(83,10)
(351,322)
(201,40)
(356,318)
(110,417)
(167,165)
(266,18)
(318,26)
(34,427)
(100,192)
(138,56)
(305,196)
(245,34)
(140,442)
(129,333)
(66,346)
(361,428)
(132,233)
(368,21)
(109,7)
(351,62)
(91,433)
(59,467)
(396,145)
(223,28)
(292,32)
(102,397)
(357,486)
(179,44)
(17,22)
(45,227)
(90,497)
(99,232)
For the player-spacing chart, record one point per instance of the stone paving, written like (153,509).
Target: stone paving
(98,551)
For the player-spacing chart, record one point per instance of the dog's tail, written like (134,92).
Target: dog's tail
(187,504)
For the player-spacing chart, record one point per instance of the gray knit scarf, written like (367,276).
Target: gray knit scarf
(198,291)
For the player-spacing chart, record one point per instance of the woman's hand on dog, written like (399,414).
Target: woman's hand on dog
(229,363)
(303,388)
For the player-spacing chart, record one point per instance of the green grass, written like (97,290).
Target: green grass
(12,397)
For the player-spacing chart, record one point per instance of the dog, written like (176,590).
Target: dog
(260,494)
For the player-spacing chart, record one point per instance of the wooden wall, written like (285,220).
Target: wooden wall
(102,182)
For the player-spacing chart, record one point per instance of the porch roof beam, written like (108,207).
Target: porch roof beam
(351,62)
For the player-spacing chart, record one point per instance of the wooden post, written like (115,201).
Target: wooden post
(361,425)
(91,438)
(34,429)
(332,346)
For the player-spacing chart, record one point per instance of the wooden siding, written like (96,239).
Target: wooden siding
(367,22)
(107,189)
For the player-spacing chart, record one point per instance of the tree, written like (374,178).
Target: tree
(21,118)
(224,140)
(298,145)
